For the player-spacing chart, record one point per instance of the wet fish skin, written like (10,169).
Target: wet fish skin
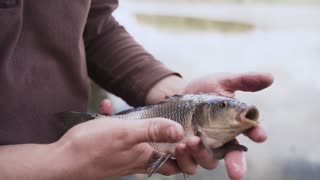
(215,119)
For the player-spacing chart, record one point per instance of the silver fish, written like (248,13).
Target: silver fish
(217,120)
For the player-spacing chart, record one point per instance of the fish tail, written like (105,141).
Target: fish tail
(71,118)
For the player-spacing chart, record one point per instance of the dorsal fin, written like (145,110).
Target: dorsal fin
(173,97)
(139,108)
(132,110)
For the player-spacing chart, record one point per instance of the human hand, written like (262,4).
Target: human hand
(111,147)
(192,153)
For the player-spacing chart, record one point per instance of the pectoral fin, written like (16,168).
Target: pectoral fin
(156,161)
(219,153)
(173,96)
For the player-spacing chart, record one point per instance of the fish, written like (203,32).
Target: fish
(215,119)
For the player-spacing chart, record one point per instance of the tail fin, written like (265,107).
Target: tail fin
(71,118)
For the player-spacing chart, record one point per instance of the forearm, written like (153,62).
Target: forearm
(31,161)
(169,86)
(115,60)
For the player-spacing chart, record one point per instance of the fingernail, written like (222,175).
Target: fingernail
(262,133)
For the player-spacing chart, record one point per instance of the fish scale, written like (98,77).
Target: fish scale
(179,111)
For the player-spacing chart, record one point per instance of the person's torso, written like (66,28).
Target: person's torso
(42,67)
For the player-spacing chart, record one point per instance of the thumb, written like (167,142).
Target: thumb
(153,130)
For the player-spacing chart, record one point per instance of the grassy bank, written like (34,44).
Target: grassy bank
(167,22)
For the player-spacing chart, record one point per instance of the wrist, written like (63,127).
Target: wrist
(169,86)
(66,158)
(61,161)
(75,157)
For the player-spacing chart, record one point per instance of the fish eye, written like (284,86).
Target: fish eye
(223,104)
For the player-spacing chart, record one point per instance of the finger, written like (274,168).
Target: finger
(257,134)
(235,164)
(105,107)
(246,82)
(185,160)
(200,154)
(152,130)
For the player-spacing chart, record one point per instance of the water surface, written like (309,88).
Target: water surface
(284,40)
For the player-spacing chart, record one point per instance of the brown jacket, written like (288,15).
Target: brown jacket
(47,50)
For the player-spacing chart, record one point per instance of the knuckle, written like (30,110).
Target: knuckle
(191,170)
(167,173)
(206,160)
(75,137)
(77,133)
(204,156)
(121,134)
(211,165)
(152,131)
(121,139)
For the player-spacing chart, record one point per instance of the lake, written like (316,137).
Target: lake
(201,38)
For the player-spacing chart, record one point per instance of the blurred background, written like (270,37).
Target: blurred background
(197,37)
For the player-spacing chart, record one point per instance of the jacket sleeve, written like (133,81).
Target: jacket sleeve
(115,60)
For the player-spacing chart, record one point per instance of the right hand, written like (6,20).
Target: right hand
(112,147)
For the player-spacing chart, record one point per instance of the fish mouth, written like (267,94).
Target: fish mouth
(250,115)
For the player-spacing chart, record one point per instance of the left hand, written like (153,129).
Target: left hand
(223,84)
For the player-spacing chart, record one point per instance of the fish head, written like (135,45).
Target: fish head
(221,119)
